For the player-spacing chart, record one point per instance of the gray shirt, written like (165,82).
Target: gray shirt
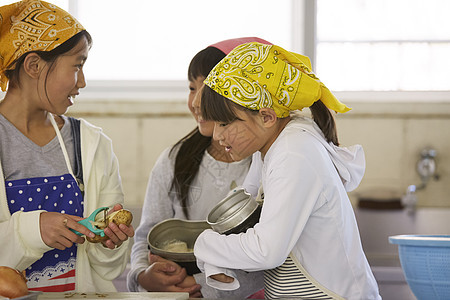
(21,158)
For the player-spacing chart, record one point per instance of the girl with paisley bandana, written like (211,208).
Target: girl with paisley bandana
(307,240)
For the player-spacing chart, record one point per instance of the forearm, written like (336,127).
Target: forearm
(24,243)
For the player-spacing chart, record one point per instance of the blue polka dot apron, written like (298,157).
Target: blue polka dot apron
(55,271)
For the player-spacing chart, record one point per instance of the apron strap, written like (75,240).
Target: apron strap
(312,280)
(61,142)
(78,168)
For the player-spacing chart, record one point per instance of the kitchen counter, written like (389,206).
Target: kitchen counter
(117,295)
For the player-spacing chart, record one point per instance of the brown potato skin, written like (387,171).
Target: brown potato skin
(123,216)
(12,283)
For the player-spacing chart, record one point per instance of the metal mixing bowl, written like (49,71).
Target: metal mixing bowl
(234,214)
(181,230)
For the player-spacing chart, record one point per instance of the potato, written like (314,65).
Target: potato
(122,216)
(12,283)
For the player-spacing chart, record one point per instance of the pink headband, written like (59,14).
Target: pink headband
(227,45)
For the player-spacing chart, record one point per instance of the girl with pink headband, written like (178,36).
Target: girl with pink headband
(187,181)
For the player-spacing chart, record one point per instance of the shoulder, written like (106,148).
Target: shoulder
(166,160)
(298,144)
(90,127)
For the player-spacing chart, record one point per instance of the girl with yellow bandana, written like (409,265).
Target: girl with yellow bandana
(307,239)
(42,53)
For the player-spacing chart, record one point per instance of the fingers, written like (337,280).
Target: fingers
(75,218)
(116,207)
(190,286)
(156,280)
(194,291)
(170,268)
(70,223)
(152,258)
(117,234)
(222,278)
(55,233)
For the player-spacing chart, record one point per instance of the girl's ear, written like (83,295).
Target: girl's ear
(268,116)
(33,65)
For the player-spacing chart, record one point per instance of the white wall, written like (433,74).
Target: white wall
(392,132)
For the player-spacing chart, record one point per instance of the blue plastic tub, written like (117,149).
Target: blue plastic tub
(425,261)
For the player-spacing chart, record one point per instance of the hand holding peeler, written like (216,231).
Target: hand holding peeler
(88,222)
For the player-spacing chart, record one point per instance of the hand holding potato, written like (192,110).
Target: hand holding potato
(118,228)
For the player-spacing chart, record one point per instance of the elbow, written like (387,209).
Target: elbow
(271,259)
(273,262)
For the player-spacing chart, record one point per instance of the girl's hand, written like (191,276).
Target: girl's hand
(222,278)
(189,282)
(167,276)
(55,230)
(117,234)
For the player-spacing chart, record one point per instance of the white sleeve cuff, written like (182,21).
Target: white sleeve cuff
(212,270)
(30,231)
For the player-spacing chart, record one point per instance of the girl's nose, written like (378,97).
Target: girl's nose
(196,102)
(217,132)
(197,99)
(81,81)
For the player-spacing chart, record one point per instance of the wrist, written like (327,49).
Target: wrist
(141,279)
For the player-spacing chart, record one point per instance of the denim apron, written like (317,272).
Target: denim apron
(55,271)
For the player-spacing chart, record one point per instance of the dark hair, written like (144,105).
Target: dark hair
(193,145)
(203,62)
(217,108)
(325,120)
(48,56)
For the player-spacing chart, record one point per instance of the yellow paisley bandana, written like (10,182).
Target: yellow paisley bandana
(256,75)
(32,25)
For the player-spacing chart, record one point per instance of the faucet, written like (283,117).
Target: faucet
(409,200)
(426,167)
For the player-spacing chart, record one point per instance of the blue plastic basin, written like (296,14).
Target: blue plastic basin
(425,261)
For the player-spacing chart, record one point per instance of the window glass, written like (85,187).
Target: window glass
(155,40)
(383,45)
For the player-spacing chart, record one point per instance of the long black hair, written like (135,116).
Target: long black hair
(193,146)
(217,108)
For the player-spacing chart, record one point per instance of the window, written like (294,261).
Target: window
(383,45)
(144,47)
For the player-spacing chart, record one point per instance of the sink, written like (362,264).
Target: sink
(375,227)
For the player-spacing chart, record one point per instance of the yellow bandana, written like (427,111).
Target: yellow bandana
(32,25)
(256,75)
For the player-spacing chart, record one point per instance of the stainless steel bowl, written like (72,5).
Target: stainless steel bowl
(234,214)
(175,229)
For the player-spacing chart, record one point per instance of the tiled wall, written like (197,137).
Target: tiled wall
(392,134)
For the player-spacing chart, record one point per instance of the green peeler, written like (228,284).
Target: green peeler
(89,220)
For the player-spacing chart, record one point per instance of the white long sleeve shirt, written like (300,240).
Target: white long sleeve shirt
(96,267)
(212,183)
(306,212)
